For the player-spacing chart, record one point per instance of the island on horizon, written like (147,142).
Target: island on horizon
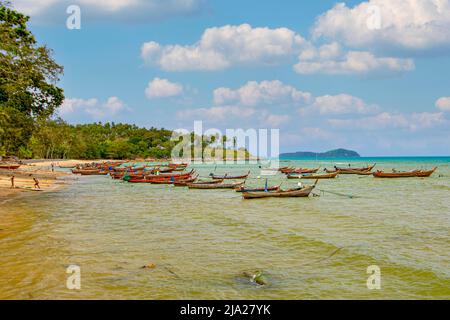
(337,153)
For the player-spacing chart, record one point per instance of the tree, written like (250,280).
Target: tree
(28,76)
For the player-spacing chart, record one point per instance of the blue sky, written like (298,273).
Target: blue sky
(368,75)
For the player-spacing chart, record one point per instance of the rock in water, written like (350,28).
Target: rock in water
(256,277)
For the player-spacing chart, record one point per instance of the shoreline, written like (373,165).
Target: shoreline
(41,169)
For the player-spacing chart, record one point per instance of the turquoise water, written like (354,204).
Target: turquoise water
(201,242)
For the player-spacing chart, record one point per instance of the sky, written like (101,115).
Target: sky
(372,76)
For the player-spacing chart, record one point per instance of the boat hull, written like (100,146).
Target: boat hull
(10,166)
(214,186)
(297,193)
(412,174)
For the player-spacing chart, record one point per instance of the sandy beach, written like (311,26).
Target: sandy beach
(41,169)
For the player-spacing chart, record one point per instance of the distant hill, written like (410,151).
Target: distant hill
(338,153)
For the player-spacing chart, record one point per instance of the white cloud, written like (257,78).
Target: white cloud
(52,11)
(386,120)
(413,25)
(443,103)
(338,104)
(92,107)
(162,88)
(275,120)
(221,47)
(353,62)
(72,105)
(261,93)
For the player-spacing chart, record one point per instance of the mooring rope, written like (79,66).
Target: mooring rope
(339,194)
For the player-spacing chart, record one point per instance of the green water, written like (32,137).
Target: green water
(202,241)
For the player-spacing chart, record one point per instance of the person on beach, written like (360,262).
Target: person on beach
(53,167)
(36,183)
(12,182)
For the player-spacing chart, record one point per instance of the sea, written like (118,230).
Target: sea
(357,237)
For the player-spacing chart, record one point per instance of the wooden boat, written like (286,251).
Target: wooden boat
(299,170)
(180,184)
(228,177)
(368,168)
(303,170)
(162,178)
(359,171)
(170,175)
(163,170)
(8,166)
(292,193)
(314,176)
(244,189)
(178,166)
(287,170)
(410,174)
(215,185)
(130,175)
(173,181)
(91,172)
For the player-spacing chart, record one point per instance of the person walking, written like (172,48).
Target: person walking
(36,183)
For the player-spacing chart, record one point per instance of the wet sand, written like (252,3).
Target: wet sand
(24,183)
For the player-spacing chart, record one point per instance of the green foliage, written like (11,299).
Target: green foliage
(57,139)
(28,75)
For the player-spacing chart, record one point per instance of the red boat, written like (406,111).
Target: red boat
(175,181)
(170,175)
(163,178)
(10,166)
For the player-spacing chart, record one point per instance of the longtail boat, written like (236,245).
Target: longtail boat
(314,176)
(304,170)
(154,181)
(215,185)
(173,181)
(359,171)
(368,168)
(287,170)
(351,170)
(268,189)
(228,177)
(131,175)
(292,193)
(182,184)
(299,170)
(10,166)
(409,174)
(178,166)
(170,175)
(90,172)
(162,178)
(162,170)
